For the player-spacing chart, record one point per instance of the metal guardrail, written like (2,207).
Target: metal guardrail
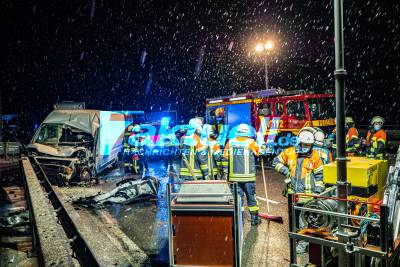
(48,233)
(10,149)
(81,250)
(54,229)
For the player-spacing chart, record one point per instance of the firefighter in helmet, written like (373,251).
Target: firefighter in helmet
(319,146)
(376,138)
(302,167)
(139,140)
(239,165)
(127,153)
(214,153)
(352,138)
(193,165)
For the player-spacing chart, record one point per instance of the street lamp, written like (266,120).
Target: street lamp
(265,48)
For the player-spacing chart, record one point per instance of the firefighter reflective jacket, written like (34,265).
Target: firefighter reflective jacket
(213,162)
(324,153)
(196,155)
(352,140)
(305,172)
(352,133)
(239,159)
(376,142)
(126,139)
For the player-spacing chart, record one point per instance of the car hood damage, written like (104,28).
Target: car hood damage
(60,151)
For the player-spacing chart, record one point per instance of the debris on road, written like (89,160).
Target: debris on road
(127,191)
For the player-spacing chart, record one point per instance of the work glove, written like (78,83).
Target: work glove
(224,176)
(288,182)
(285,171)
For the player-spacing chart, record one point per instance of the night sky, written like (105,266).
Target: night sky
(145,55)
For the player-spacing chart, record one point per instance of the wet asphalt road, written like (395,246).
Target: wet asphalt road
(146,223)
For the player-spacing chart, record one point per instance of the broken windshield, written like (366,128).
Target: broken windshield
(61,134)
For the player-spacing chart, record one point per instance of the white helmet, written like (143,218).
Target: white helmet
(197,124)
(307,128)
(319,136)
(243,130)
(306,136)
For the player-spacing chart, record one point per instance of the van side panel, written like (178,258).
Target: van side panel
(112,128)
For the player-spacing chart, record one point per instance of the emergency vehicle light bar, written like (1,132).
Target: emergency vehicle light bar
(215,101)
(237,98)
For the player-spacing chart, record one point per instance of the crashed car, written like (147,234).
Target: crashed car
(67,145)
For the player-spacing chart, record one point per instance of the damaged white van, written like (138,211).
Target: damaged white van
(74,144)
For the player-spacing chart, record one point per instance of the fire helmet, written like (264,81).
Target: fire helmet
(349,120)
(306,136)
(243,130)
(377,119)
(319,136)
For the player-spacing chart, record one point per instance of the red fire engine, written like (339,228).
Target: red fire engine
(279,112)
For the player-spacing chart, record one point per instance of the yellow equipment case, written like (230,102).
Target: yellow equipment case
(366,176)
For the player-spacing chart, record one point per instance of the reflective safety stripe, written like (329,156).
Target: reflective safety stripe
(253,208)
(381,140)
(188,174)
(242,177)
(186,170)
(203,166)
(319,169)
(136,167)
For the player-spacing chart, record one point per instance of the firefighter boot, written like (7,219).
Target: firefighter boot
(255,219)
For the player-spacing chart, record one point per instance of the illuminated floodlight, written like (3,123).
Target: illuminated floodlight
(269,45)
(259,48)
